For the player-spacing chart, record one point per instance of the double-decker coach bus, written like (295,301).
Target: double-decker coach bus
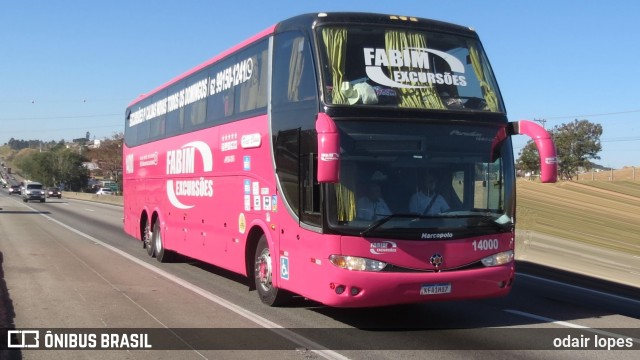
(307,158)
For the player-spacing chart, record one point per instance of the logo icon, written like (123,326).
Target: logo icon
(383,247)
(411,57)
(182,161)
(23,338)
(436,260)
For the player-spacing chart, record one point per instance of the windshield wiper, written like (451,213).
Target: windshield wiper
(482,220)
(376,224)
(488,220)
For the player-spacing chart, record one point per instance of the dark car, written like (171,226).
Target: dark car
(15,189)
(54,192)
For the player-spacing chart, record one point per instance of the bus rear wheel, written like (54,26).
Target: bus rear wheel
(263,272)
(147,241)
(162,254)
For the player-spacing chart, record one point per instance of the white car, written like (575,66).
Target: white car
(33,191)
(104,191)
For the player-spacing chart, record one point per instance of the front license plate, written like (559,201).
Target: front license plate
(433,289)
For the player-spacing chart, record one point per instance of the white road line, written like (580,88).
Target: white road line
(257,319)
(600,293)
(570,325)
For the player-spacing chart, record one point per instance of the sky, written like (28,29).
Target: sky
(72,67)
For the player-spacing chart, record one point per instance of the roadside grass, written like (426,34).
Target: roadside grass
(600,213)
(622,187)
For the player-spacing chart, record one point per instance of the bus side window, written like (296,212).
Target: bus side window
(175,114)
(294,60)
(310,185)
(287,166)
(143,132)
(195,111)
(157,124)
(252,94)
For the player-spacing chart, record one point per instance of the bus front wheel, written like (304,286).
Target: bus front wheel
(263,272)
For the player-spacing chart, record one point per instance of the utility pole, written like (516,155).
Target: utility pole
(541,121)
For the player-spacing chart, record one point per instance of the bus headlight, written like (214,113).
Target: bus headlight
(356,263)
(498,259)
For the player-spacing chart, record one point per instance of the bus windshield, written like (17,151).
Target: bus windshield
(392,67)
(422,180)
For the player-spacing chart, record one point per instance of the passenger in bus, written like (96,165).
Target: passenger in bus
(427,201)
(372,206)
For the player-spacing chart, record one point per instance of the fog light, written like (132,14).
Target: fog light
(354,291)
(339,289)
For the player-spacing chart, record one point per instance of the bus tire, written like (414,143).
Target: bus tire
(162,255)
(147,239)
(263,276)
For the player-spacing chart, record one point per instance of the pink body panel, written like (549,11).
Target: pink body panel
(208,187)
(311,274)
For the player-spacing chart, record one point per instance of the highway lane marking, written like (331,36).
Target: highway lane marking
(255,318)
(570,325)
(596,292)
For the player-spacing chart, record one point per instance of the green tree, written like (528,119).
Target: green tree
(23,161)
(529,160)
(109,157)
(69,170)
(577,143)
(61,166)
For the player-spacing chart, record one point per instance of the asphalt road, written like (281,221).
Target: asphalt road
(67,267)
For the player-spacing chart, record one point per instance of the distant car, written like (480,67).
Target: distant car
(54,192)
(33,191)
(15,189)
(104,191)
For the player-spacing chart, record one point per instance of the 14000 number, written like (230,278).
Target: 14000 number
(486,244)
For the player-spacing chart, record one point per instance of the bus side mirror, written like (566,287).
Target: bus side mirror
(328,149)
(546,148)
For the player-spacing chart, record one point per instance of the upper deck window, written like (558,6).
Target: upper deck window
(405,68)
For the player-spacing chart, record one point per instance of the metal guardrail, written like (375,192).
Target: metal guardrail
(108,199)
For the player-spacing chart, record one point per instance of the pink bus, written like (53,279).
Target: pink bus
(353,159)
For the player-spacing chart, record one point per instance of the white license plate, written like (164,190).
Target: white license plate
(433,289)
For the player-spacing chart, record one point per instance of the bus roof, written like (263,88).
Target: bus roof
(316,19)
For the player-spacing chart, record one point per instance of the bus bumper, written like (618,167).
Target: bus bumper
(344,288)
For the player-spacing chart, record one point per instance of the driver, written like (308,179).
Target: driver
(426,201)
